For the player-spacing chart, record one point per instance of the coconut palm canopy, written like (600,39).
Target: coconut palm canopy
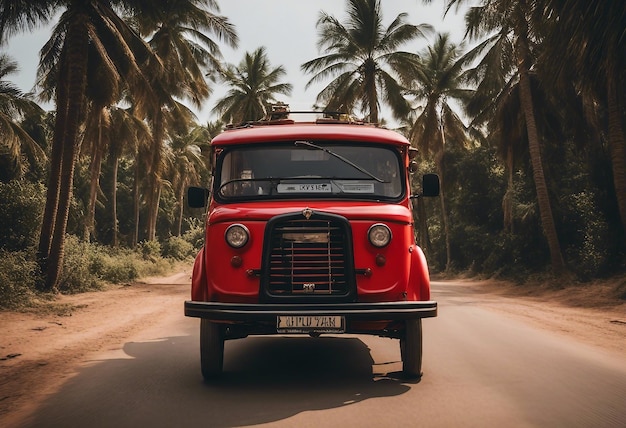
(362,58)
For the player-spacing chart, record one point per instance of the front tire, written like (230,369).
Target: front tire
(411,349)
(211,349)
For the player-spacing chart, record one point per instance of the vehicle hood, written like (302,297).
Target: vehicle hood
(262,211)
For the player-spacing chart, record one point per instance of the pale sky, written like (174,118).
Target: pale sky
(285,28)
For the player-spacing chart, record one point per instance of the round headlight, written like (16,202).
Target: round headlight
(237,235)
(379,235)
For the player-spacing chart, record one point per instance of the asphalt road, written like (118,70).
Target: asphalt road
(481,369)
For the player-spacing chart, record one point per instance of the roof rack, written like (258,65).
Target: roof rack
(280,115)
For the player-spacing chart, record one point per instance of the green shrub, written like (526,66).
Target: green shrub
(150,250)
(115,265)
(177,248)
(194,233)
(86,267)
(77,276)
(17,279)
(155,267)
(21,211)
(587,236)
(121,265)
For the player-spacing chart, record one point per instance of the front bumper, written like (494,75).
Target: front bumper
(239,312)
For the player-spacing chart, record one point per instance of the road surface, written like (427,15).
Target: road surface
(482,368)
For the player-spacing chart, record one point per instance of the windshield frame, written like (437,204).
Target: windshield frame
(324,146)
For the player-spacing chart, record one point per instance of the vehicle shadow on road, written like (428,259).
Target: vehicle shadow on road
(266,379)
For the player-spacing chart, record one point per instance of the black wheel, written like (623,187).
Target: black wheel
(211,349)
(411,349)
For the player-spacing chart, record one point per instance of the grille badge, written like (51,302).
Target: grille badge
(308,287)
(307,213)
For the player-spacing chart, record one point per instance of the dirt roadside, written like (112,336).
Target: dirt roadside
(593,314)
(40,351)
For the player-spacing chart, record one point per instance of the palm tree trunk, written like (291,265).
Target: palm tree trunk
(179,223)
(52,199)
(155,213)
(54,180)
(94,168)
(370,90)
(152,208)
(76,41)
(507,202)
(419,218)
(154,177)
(115,227)
(150,198)
(617,149)
(543,199)
(444,212)
(136,203)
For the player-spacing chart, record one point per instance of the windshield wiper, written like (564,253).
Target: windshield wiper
(341,158)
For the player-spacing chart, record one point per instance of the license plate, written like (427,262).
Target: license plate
(310,323)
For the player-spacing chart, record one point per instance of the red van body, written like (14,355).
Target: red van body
(309,230)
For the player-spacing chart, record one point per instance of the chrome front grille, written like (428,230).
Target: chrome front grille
(309,258)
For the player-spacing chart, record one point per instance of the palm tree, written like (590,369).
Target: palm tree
(95,142)
(363,61)
(103,90)
(128,134)
(437,79)
(187,163)
(105,85)
(509,60)
(83,24)
(507,131)
(16,106)
(213,129)
(588,51)
(176,31)
(253,86)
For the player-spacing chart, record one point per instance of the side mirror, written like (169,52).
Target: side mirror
(430,185)
(197,197)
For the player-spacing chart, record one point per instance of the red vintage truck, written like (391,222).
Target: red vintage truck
(309,230)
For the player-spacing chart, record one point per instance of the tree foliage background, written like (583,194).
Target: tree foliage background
(526,128)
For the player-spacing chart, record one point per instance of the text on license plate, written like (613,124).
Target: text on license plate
(307,323)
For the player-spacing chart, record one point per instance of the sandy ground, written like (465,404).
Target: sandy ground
(40,350)
(594,314)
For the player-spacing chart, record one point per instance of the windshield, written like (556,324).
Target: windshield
(306,169)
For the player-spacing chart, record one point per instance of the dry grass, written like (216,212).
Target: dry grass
(606,293)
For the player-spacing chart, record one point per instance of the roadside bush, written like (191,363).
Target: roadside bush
(89,266)
(115,265)
(17,279)
(586,236)
(194,233)
(177,248)
(21,211)
(86,267)
(150,250)
(76,276)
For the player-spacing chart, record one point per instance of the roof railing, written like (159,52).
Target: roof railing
(280,115)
